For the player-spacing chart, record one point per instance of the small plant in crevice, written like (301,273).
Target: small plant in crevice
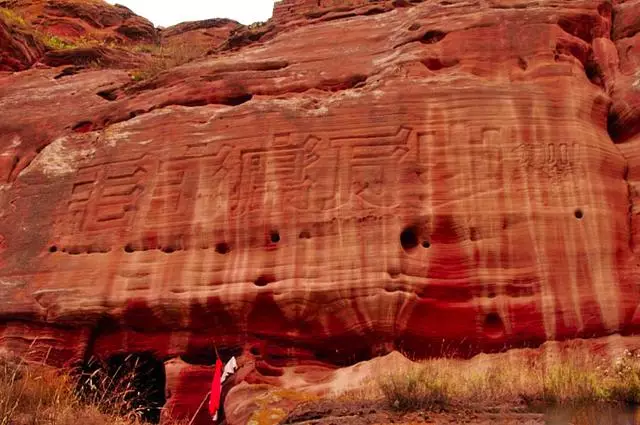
(255,25)
(56,43)
(12,18)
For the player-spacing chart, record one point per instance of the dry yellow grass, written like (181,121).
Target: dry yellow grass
(15,19)
(575,378)
(12,18)
(40,395)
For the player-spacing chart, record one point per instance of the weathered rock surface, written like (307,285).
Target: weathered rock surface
(209,33)
(95,33)
(92,19)
(335,185)
(19,49)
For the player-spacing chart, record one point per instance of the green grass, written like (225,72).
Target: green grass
(56,43)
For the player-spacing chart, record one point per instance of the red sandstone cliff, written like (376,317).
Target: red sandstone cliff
(346,180)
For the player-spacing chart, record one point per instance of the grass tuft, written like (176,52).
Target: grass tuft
(417,388)
(12,18)
(573,379)
(37,394)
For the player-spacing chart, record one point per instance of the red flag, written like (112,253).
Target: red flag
(216,388)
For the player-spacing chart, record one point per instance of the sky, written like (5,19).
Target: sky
(164,13)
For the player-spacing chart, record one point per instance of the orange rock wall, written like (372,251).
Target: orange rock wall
(441,178)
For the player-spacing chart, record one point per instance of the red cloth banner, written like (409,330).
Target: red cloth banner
(216,388)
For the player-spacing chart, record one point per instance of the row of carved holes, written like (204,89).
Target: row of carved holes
(221,248)
(408,240)
(409,237)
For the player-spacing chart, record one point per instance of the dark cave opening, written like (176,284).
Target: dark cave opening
(130,384)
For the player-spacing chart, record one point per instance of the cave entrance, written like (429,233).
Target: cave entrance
(126,383)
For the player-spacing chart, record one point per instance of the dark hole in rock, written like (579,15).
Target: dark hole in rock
(194,102)
(305,235)
(255,350)
(127,384)
(432,37)
(493,325)
(594,72)
(135,113)
(129,249)
(264,280)
(169,249)
(223,248)
(392,288)
(375,11)
(238,100)
(75,250)
(352,82)
(109,95)
(523,64)
(83,127)
(206,355)
(435,64)
(274,236)
(53,249)
(409,238)
(67,72)
(426,244)
(579,214)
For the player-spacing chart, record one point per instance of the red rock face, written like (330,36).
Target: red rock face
(438,178)
(290,10)
(91,19)
(209,33)
(19,49)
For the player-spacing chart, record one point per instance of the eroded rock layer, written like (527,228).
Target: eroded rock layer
(432,177)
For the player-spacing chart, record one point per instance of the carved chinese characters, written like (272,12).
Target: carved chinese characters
(305,172)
